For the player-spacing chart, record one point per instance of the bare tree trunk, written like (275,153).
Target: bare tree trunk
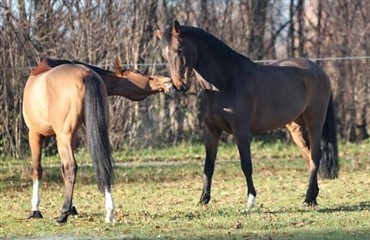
(291,31)
(257,11)
(300,21)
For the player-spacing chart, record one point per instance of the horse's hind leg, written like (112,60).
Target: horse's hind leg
(69,171)
(211,140)
(299,135)
(35,141)
(314,131)
(109,205)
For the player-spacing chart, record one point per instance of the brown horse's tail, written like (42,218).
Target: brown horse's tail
(329,165)
(97,132)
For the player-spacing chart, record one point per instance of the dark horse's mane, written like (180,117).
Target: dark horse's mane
(56,62)
(98,70)
(215,43)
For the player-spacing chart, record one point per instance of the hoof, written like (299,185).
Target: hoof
(62,218)
(73,211)
(35,214)
(205,198)
(310,204)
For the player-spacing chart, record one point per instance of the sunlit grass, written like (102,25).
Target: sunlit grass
(160,202)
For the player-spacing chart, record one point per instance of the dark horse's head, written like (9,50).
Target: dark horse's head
(181,54)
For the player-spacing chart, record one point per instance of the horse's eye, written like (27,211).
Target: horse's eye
(179,51)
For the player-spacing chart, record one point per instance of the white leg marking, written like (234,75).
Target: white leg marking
(35,201)
(251,201)
(109,207)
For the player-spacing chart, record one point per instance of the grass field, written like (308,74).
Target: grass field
(157,191)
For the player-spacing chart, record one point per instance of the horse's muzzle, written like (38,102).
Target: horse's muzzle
(183,89)
(169,88)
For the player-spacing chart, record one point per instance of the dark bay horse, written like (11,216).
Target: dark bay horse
(243,98)
(59,95)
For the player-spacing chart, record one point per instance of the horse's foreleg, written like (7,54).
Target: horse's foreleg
(243,142)
(69,171)
(211,139)
(314,163)
(35,141)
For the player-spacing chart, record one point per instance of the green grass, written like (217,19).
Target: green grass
(160,202)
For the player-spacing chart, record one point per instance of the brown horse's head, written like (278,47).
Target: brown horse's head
(155,83)
(181,54)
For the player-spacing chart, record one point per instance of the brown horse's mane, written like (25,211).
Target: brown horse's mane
(98,70)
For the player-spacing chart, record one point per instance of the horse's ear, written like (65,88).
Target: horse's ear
(117,66)
(176,29)
(158,33)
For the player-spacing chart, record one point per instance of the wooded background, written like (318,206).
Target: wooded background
(334,33)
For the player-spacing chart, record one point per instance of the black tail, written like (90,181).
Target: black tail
(97,132)
(329,165)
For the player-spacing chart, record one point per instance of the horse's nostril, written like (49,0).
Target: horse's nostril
(183,89)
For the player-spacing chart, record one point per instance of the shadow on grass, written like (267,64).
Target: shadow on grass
(328,234)
(361,206)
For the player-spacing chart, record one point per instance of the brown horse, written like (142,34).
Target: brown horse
(126,82)
(243,98)
(59,95)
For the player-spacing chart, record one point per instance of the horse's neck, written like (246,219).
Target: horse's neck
(134,88)
(204,83)
(215,72)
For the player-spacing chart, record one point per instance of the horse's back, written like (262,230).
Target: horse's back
(312,74)
(306,65)
(292,62)
(318,83)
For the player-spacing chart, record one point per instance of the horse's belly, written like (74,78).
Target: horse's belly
(35,121)
(260,127)
(216,118)
(270,119)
